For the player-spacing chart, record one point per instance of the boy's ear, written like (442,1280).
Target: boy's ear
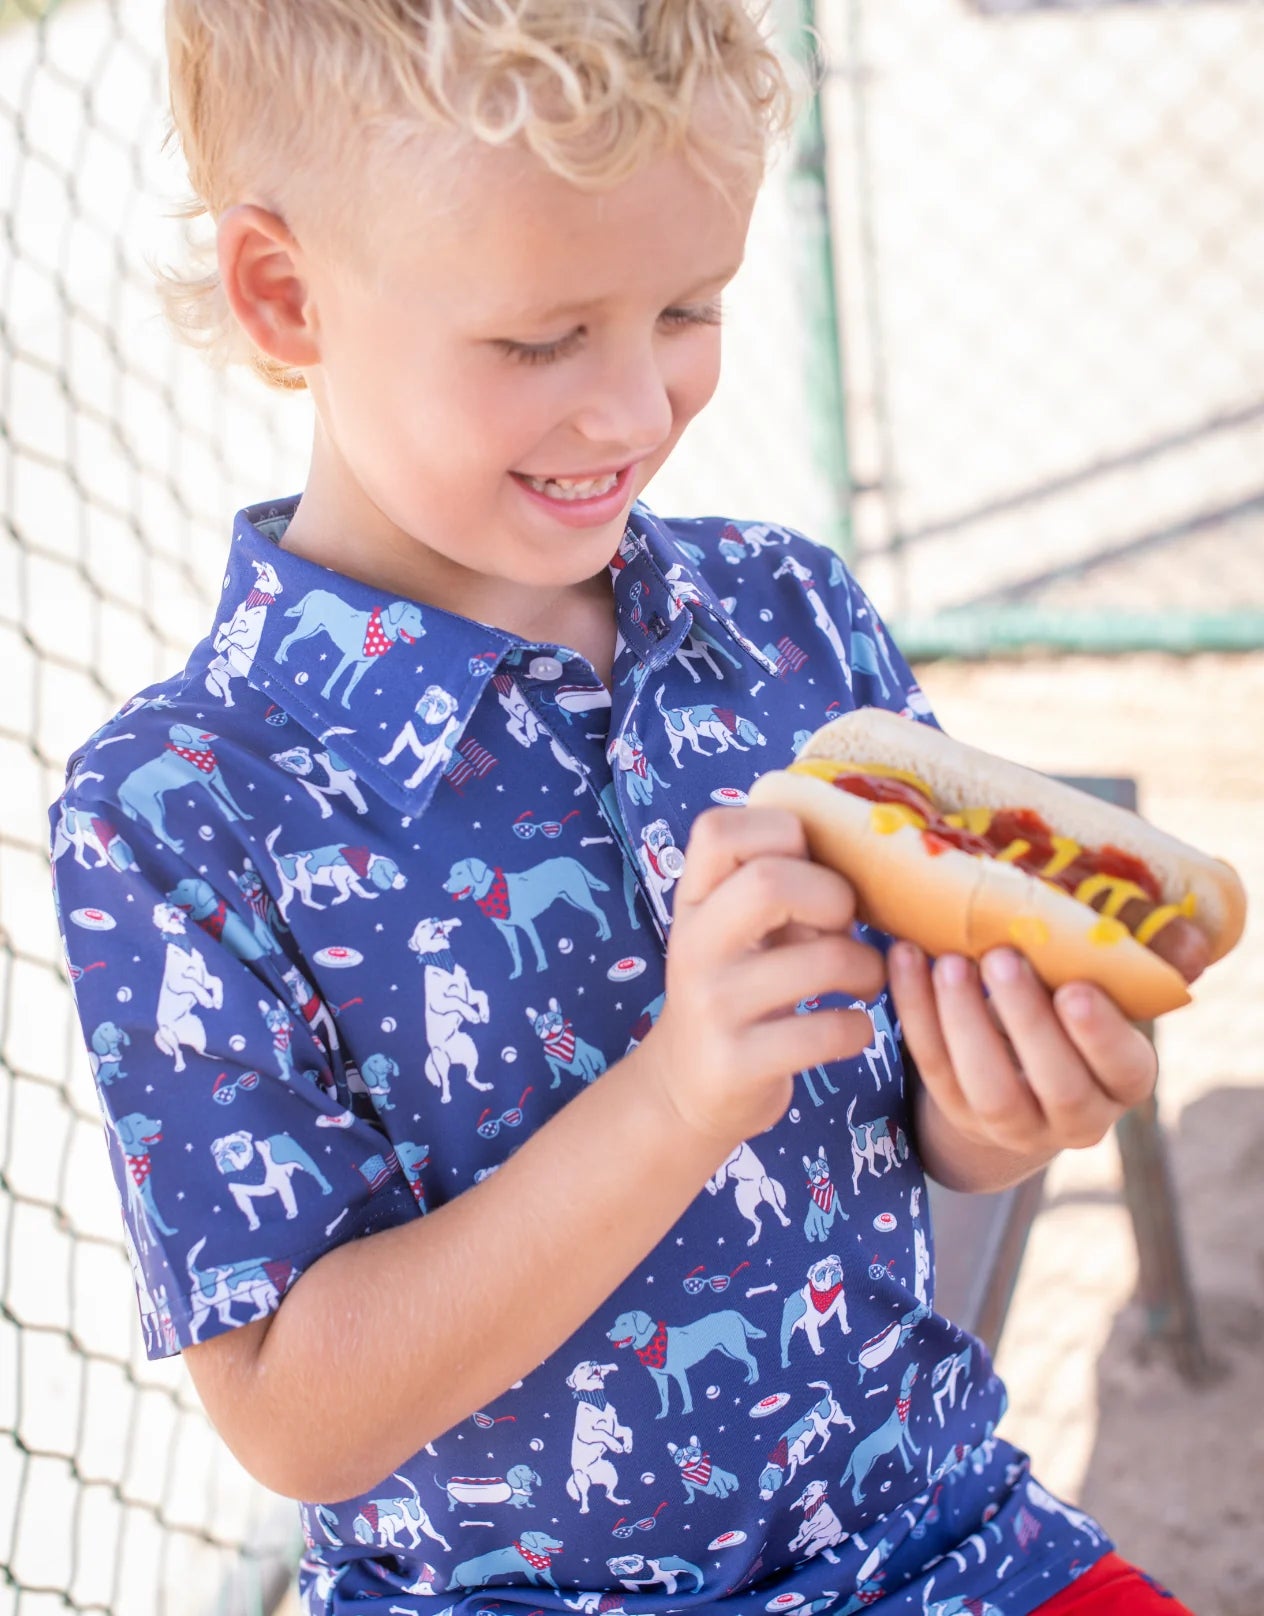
(260,267)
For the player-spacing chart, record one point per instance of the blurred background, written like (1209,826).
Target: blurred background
(999,341)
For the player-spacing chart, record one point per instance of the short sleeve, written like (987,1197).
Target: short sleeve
(879,674)
(238,1156)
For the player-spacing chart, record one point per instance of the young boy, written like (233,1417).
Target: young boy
(518,1146)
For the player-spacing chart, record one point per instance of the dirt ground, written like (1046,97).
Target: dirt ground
(1174,1471)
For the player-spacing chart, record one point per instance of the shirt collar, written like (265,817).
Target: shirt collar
(319,644)
(677,565)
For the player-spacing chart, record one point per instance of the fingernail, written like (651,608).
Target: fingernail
(905,956)
(952,969)
(1003,965)
(1076,1003)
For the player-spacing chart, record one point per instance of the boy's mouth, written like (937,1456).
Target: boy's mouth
(573,488)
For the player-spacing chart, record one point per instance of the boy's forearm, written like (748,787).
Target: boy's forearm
(389,1341)
(961,1162)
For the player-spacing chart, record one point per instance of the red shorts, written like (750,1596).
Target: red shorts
(1113,1588)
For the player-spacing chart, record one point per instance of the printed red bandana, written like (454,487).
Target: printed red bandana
(699,1472)
(200,760)
(654,1354)
(212,923)
(376,643)
(539,1561)
(495,901)
(822,1194)
(256,597)
(358,858)
(139,1167)
(902,1408)
(561,1044)
(821,1299)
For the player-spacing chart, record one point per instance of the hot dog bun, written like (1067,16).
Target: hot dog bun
(955,902)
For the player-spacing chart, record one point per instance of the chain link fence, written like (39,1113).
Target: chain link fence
(122,459)
(1051,244)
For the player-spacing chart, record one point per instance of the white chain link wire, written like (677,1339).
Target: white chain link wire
(122,459)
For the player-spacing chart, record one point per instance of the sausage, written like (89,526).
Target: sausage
(1180,942)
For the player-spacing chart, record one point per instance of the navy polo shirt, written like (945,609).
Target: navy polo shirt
(361,898)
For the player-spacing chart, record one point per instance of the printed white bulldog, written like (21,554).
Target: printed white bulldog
(452,1001)
(597,1433)
(237,640)
(436,712)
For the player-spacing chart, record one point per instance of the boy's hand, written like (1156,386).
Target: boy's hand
(757,929)
(1021,1071)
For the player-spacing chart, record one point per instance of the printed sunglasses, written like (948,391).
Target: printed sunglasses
(547,827)
(643,1525)
(225,1092)
(507,1119)
(717,1282)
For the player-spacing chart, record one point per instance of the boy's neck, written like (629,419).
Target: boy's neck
(580,616)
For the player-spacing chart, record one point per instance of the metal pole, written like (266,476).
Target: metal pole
(817,269)
(975,633)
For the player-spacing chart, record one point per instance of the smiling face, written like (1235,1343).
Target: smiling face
(504,371)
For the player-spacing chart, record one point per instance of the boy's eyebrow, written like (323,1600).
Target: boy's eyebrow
(721,277)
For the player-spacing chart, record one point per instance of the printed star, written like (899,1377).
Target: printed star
(380,927)
(324,656)
(377,692)
(500,788)
(131,896)
(149,1088)
(188,1147)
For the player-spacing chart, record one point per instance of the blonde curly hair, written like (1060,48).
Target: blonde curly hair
(270,98)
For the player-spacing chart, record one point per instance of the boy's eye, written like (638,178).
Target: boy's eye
(543,353)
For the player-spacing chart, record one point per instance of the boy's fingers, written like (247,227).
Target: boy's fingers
(994,1093)
(722,839)
(1123,1061)
(1075,1107)
(773,982)
(913,994)
(808,1040)
(767,894)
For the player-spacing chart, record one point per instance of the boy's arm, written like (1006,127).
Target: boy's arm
(387,1342)
(1009,1080)
(390,1340)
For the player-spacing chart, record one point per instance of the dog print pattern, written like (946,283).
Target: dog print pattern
(395,887)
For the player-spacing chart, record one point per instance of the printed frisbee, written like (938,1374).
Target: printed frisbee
(93,919)
(885,1222)
(769,1404)
(785,1601)
(625,969)
(337,957)
(727,1540)
(728,796)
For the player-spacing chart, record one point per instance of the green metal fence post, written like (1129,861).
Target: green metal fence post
(816,274)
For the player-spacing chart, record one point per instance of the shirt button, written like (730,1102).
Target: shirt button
(544,667)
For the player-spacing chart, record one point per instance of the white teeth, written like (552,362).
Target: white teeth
(567,488)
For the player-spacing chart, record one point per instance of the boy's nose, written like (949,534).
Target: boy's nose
(629,410)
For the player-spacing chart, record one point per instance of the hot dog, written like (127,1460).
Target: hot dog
(961,851)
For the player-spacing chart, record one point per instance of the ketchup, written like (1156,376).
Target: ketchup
(1007,826)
